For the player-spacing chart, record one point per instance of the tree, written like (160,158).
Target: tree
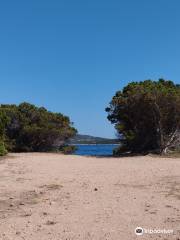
(35,129)
(147,116)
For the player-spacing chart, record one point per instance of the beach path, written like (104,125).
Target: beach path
(64,197)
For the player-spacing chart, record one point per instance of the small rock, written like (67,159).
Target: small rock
(27,214)
(21,203)
(50,222)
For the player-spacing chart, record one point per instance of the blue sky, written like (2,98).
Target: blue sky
(71,56)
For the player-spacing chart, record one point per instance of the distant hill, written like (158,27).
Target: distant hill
(86,139)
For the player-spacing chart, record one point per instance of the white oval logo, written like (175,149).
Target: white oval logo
(139,231)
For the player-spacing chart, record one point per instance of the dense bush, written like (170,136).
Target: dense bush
(147,116)
(3,150)
(3,124)
(67,149)
(29,128)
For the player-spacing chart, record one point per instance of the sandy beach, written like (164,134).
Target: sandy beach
(57,197)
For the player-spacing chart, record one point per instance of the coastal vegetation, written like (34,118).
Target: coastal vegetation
(27,128)
(147,117)
(3,122)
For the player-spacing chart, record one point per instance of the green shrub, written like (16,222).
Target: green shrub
(3,150)
(68,149)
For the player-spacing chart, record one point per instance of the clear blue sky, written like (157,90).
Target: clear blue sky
(71,56)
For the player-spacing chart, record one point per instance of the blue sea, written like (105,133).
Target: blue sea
(95,149)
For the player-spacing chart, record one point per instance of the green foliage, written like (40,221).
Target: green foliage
(3,150)
(146,115)
(30,128)
(3,124)
(68,149)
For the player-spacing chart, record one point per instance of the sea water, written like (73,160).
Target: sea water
(95,149)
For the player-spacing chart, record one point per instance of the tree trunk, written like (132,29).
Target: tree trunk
(173,142)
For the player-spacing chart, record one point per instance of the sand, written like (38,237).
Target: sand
(54,197)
